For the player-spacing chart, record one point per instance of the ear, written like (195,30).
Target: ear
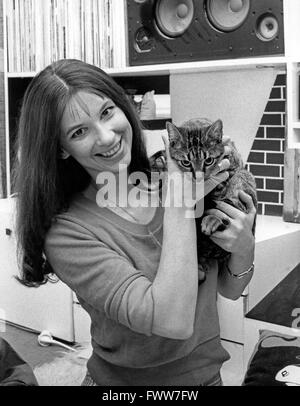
(64,154)
(175,137)
(215,131)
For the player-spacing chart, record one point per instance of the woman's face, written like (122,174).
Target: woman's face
(96,133)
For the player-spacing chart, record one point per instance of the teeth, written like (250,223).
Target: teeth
(112,151)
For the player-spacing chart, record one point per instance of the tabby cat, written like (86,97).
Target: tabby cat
(197,146)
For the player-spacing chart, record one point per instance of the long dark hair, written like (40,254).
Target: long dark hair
(45,183)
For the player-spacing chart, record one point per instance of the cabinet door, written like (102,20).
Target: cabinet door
(231,315)
(48,307)
(82,324)
(232,371)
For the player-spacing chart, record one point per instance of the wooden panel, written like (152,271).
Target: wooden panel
(291,207)
(2,113)
(1,24)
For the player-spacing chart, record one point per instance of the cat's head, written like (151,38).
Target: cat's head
(196,145)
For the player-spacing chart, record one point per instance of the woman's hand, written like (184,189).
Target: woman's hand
(237,237)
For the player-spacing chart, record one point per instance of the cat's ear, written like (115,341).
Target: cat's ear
(174,134)
(215,131)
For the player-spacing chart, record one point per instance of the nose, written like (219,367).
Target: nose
(199,165)
(104,136)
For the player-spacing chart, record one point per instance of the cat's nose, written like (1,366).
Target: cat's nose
(198,176)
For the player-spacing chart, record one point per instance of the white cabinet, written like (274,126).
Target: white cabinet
(48,307)
(232,371)
(231,315)
(82,324)
(277,253)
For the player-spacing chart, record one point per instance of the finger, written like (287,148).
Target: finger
(227,150)
(231,211)
(218,213)
(248,201)
(225,139)
(222,166)
(221,243)
(218,237)
(214,181)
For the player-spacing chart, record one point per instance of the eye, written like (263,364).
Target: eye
(185,163)
(209,161)
(107,112)
(79,133)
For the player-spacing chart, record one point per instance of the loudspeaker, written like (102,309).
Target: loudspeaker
(163,31)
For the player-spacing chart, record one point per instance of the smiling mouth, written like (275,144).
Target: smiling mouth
(111,152)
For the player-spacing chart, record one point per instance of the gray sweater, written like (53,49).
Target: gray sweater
(110,263)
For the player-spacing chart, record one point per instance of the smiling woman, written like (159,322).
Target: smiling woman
(96,133)
(134,269)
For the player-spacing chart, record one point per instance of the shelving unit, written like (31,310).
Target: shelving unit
(293,122)
(291,11)
(201,66)
(286,63)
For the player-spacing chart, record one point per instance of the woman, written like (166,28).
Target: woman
(133,269)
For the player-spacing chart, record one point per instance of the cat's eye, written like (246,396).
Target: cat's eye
(185,163)
(209,161)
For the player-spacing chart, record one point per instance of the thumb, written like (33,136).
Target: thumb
(214,181)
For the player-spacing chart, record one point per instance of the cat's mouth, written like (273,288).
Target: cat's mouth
(198,176)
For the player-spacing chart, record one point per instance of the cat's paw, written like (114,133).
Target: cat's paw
(210,224)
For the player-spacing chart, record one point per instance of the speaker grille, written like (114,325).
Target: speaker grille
(227,15)
(267,27)
(173,17)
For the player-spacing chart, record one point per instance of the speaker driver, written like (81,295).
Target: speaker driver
(144,41)
(227,15)
(173,17)
(267,27)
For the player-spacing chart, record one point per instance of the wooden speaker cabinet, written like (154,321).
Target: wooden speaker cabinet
(167,31)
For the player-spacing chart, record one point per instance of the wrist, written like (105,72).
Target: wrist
(241,274)
(179,213)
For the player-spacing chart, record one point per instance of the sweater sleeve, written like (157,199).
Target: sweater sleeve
(104,279)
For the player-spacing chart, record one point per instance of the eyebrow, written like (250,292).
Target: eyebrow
(78,125)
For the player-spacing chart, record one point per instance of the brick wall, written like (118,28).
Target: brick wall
(266,159)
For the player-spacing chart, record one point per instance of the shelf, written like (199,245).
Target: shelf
(165,69)
(270,227)
(20,75)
